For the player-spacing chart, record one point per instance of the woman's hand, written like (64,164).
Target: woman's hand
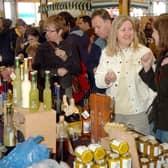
(61,53)
(147,61)
(110,77)
(62,72)
(165,61)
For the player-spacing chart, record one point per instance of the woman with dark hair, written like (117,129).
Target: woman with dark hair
(158,80)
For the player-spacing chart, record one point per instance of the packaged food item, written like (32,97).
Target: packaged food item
(126,161)
(144,162)
(100,164)
(119,146)
(84,154)
(98,151)
(153,149)
(113,160)
(78,163)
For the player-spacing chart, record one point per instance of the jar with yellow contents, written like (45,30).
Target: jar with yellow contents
(84,154)
(113,160)
(126,160)
(100,164)
(144,162)
(153,149)
(78,163)
(99,152)
(119,146)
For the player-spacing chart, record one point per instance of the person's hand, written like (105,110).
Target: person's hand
(164,62)
(110,77)
(147,61)
(61,53)
(62,72)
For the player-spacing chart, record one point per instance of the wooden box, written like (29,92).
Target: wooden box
(100,114)
(37,123)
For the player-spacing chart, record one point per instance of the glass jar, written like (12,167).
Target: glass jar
(119,146)
(113,160)
(84,154)
(98,151)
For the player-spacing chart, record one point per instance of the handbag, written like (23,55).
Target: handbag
(80,84)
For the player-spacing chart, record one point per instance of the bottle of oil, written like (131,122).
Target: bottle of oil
(17,83)
(34,94)
(62,141)
(47,98)
(9,138)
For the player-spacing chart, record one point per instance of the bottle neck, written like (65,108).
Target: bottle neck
(47,82)
(33,83)
(9,116)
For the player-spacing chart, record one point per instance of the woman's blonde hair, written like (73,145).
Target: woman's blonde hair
(112,42)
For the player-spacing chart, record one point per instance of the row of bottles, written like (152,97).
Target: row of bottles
(25,91)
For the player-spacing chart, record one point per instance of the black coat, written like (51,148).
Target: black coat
(158,81)
(5,48)
(46,59)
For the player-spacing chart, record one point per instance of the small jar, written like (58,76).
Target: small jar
(100,164)
(142,146)
(113,160)
(126,161)
(164,147)
(78,163)
(153,163)
(99,152)
(84,154)
(89,165)
(144,162)
(119,146)
(153,149)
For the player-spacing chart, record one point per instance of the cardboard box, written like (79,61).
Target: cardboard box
(37,123)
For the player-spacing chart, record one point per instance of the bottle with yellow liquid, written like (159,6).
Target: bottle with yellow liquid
(9,138)
(17,83)
(47,97)
(34,93)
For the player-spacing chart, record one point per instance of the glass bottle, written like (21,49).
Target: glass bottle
(17,83)
(57,100)
(9,138)
(47,98)
(34,93)
(29,66)
(62,141)
(26,85)
(86,124)
(64,105)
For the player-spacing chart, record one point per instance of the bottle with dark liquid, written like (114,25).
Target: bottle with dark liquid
(62,141)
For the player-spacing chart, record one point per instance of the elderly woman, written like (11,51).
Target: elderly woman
(118,72)
(56,55)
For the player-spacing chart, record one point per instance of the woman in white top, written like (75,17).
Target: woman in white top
(118,72)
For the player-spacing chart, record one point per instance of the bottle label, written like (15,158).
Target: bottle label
(126,163)
(11,139)
(85,114)
(86,127)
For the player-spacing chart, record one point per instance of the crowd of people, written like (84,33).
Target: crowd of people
(109,55)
